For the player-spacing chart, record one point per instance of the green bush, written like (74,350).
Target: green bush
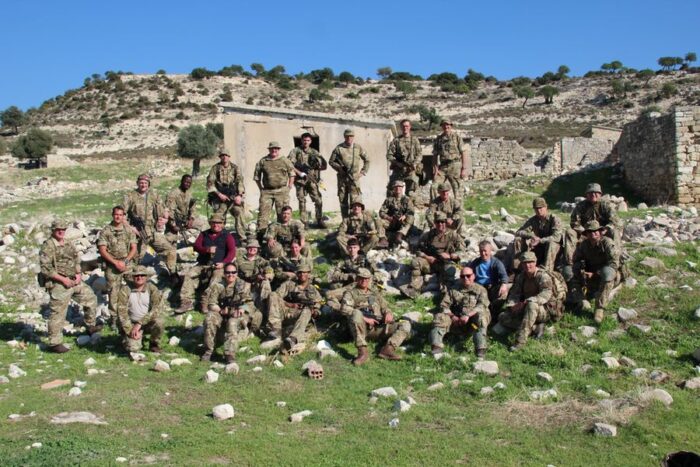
(197,142)
(668,90)
(201,73)
(35,144)
(13,117)
(316,95)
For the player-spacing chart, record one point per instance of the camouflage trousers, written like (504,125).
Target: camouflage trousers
(199,277)
(546,253)
(279,312)
(450,173)
(442,324)
(311,189)
(154,328)
(391,228)
(524,321)
(279,197)
(334,296)
(599,287)
(395,333)
(367,242)
(348,192)
(60,298)
(229,329)
(446,271)
(280,249)
(162,246)
(115,280)
(573,238)
(238,228)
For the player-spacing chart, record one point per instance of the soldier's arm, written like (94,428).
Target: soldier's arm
(575,221)
(417,153)
(213,293)
(446,303)
(347,304)
(46,262)
(211,180)
(515,292)
(526,231)
(384,210)
(612,254)
(257,174)
(391,151)
(238,180)
(291,173)
(557,231)
(122,309)
(614,221)
(335,161)
(545,285)
(482,303)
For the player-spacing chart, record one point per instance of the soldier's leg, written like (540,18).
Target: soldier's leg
(398,331)
(212,323)
(333,298)
(155,329)
(510,320)
(274,252)
(281,199)
(131,345)
(551,250)
(209,276)
(264,209)
(58,303)
(301,200)
(275,315)
(370,243)
(606,284)
(532,314)
(302,321)
(452,173)
(166,249)
(85,297)
(342,240)
(114,284)
(238,226)
(315,195)
(419,266)
(234,330)
(358,328)
(343,198)
(441,326)
(190,284)
(481,339)
(570,243)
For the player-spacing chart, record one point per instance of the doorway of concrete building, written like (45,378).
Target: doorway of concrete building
(315,142)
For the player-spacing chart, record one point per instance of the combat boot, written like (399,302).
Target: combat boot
(92,329)
(60,348)
(362,356)
(436,350)
(230,357)
(388,353)
(289,344)
(185,306)
(599,315)
(480,354)
(154,347)
(206,356)
(383,243)
(539,331)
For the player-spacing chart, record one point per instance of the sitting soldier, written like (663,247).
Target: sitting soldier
(369,317)
(229,306)
(464,308)
(296,300)
(542,234)
(345,274)
(437,253)
(531,303)
(447,204)
(596,265)
(139,311)
(396,214)
(256,271)
(286,266)
(279,235)
(360,225)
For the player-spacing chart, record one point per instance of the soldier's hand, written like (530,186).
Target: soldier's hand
(120,265)
(503,291)
(190,223)
(588,275)
(534,241)
(67,283)
(455,319)
(388,318)
(78,279)
(237,313)
(136,332)
(223,197)
(370,321)
(445,256)
(463,173)
(218,265)
(402,218)
(430,259)
(238,200)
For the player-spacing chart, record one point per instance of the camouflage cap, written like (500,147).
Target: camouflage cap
(592,226)
(144,177)
(446,122)
(274,144)
(593,188)
(252,244)
(216,218)
(444,187)
(224,152)
(528,257)
(358,203)
(363,273)
(304,268)
(140,271)
(539,203)
(440,217)
(349,132)
(59,224)
(398,183)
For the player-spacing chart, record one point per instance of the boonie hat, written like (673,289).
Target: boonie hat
(593,188)
(528,257)
(539,203)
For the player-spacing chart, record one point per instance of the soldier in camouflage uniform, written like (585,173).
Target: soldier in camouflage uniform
(437,253)
(360,225)
(405,156)
(274,175)
(449,205)
(62,278)
(369,317)
(396,214)
(257,271)
(286,267)
(180,205)
(308,164)
(117,247)
(463,308)
(531,302)
(279,235)
(296,300)
(451,161)
(542,233)
(226,193)
(229,308)
(345,274)
(143,207)
(350,162)
(596,265)
(139,311)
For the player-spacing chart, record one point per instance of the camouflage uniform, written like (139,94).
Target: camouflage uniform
(227,181)
(283,234)
(433,243)
(603,260)
(180,206)
(541,304)
(392,209)
(584,212)
(311,162)
(293,302)
(273,176)
(64,260)
(452,208)
(355,301)
(258,273)
(343,276)
(153,323)
(118,244)
(405,156)
(462,301)
(143,211)
(285,268)
(221,296)
(365,228)
(550,233)
(351,163)
(447,155)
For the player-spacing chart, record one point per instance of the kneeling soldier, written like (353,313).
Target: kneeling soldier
(229,306)
(139,311)
(369,317)
(463,308)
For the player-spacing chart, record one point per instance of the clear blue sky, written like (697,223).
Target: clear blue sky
(52,46)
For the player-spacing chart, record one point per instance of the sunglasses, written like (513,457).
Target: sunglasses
(230,273)
(466,275)
(139,275)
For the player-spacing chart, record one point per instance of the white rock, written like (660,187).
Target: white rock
(8,260)
(137,357)
(13,344)
(180,362)
(188,322)
(402,406)
(386,391)
(4,379)
(232,368)
(652,263)
(487,367)
(543,395)
(299,416)
(626,314)
(121,460)
(278,364)
(394,423)
(671,353)
(223,411)
(161,366)
(15,372)
(610,362)
(545,376)
(486,390)
(64,418)
(499,385)
(89,362)
(601,393)
(639,372)
(211,376)
(693,383)
(256,359)
(36,445)
(257,369)
(281,404)
(587,331)
(658,395)
(603,429)
(436,387)
(697,313)
(642,327)
(8,240)
(174,341)
(658,376)
(79,384)
(93,371)
(74,392)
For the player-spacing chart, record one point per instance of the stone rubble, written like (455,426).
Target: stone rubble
(223,412)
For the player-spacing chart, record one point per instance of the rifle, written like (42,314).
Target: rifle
(367,312)
(139,225)
(464,311)
(303,300)
(230,304)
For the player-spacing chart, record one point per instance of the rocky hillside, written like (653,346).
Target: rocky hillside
(126,113)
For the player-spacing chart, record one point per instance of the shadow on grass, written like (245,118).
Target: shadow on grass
(566,187)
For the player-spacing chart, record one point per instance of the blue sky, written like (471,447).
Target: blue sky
(50,47)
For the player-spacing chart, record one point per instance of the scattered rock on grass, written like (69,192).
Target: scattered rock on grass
(223,412)
(89,418)
(211,376)
(611,362)
(386,391)
(299,416)
(487,367)
(55,383)
(603,429)
(626,314)
(545,376)
(161,366)
(657,395)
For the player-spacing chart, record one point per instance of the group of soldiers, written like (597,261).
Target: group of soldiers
(269,288)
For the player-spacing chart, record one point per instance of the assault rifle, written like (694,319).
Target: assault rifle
(368,312)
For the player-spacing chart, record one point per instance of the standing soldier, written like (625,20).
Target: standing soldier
(405,156)
(274,175)
(542,233)
(139,311)
(61,275)
(463,307)
(351,162)
(308,164)
(180,206)
(360,225)
(230,305)
(117,247)
(451,161)
(226,192)
(369,317)
(396,214)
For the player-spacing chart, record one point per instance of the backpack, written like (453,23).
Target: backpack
(559,291)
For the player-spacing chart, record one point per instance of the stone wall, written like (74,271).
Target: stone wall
(579,152)
(687,123)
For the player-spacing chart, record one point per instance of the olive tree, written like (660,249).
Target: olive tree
(34,145)
(196,142)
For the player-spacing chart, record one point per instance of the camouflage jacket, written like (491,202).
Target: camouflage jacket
(397,207)
(235,296)
(464,300)
(452,209)
(602,211)
(405,154)
(432,243)
(180,207)
(355,299)
(272,174)
(346,271)
(225,180)
(143,209)
(359,226)
(292,292)
(117,241)
(311,162)
(348,160)
(548,229)
(538,289)
(122,307)
(448,148)
(249,270)
(593,257)
(285,233)
(55,258)
(284,265)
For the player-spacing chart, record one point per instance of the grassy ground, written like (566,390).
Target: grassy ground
(451,425)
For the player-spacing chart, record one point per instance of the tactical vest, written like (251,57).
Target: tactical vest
(219,242)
